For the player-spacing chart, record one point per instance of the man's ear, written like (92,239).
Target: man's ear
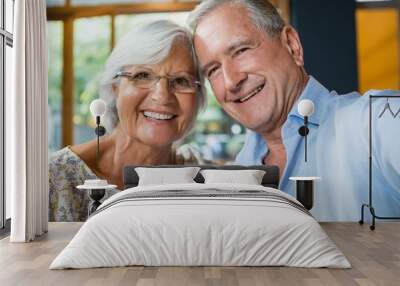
(291,40)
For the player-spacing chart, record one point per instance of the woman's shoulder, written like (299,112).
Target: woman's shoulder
(66,171)
(65,162)
(187,155)
(62,157)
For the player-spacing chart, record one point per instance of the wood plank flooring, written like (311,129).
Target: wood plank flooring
(374,255)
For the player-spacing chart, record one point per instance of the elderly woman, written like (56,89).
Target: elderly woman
(153,93)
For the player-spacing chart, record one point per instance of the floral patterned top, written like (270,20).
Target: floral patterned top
(67,170)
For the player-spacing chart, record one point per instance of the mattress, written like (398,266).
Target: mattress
(201,225)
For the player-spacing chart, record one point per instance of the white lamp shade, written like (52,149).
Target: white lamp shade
(305,107)
(98,107)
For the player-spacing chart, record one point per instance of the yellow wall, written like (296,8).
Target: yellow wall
(378,48)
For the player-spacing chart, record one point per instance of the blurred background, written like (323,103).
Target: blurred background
(349,45)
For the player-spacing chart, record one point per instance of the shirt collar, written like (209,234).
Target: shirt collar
(315,92)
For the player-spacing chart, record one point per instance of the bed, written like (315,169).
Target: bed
(201,223)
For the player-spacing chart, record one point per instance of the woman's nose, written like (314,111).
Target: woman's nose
(161,92)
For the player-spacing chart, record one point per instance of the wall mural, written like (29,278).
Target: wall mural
(126,89)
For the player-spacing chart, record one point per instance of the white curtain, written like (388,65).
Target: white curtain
(26,124)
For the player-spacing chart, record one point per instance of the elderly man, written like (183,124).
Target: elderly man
(255,65)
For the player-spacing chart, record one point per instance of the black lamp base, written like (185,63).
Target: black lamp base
(95,195)
(305,193)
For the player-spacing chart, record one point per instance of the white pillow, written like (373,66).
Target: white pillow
(248,177)
(162,176)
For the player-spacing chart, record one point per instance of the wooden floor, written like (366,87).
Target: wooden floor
(374,255)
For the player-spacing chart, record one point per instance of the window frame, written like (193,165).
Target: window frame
(378,4)
(371,4)
(6,39)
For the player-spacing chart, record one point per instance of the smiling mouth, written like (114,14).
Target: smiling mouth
(158,116)
(251,94)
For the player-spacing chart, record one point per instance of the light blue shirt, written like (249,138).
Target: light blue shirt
(338,152)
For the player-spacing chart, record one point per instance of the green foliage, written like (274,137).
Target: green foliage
(91,49)
(54,38)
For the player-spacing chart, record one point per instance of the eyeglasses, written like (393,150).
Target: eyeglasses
(147,80)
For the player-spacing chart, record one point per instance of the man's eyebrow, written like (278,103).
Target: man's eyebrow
(231,47)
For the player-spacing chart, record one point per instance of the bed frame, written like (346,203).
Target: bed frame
(270,179)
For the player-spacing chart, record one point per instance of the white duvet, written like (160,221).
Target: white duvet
(207,230)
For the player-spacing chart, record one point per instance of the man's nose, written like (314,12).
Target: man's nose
(233,78)
(161,92)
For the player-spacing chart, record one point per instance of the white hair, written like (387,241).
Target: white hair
(146,43)
(263,14)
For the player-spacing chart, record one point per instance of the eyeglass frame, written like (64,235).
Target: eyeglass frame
(196,83)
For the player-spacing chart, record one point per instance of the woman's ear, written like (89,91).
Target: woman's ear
(291,40)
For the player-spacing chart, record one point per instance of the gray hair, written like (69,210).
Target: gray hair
(264,15)
(146,43)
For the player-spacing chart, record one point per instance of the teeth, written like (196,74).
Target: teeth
(254,92)
(158,116)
